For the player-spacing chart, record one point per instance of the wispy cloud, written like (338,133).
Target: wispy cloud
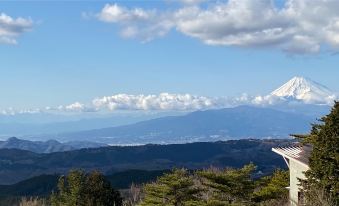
(299,27)
(11,28)
(12,111)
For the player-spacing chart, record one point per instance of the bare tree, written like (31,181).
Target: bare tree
(134,195)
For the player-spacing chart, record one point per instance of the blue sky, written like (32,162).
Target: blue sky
(71,55)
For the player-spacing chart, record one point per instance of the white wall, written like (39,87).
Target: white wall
(296,172)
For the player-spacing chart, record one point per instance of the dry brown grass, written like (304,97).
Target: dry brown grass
(32,201)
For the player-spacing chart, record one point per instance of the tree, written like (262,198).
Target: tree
(323,174)
(173,189)
(215,187)
(273,187)
(70,188)
(98,191)
(230,185)
(81,189)
(134,195)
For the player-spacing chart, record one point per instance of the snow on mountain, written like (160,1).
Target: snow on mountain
(305,90)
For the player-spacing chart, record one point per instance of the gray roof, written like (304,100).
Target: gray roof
(300,153)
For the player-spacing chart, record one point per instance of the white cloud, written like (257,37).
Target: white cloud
(9,111)
(74,107)
(115,13)
(12,111)
(11,28)
(118,102)
(163,101)
(239,23)
(300,26)
(189,2)
(137,23)
(267,100)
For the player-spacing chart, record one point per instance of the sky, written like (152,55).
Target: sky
(66,55)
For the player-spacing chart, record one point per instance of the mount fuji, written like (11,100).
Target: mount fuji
(304,90)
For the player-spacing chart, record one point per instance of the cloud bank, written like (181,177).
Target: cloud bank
(298,27)
(165,102)
(11,28)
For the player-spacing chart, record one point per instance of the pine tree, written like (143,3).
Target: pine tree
(173,189)
(98,191)
(70,188)
(230,185)
(323,174)
(81,189)
(272,187)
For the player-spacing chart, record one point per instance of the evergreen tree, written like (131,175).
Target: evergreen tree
(272,187)
(81,189)
(70,188)
(98,191)
(215,187)
(323,174)
(173,189)
(229,186)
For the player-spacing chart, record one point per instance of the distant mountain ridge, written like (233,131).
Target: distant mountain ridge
(46,146)
(210,125)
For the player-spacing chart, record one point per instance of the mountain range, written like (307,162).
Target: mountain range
(46,146)
(210,125)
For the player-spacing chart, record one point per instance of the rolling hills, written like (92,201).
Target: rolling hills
(17,165)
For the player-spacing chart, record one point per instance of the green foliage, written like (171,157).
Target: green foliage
(274,187)
(176,188)
(229,186)
(214,187)
(81,189)
(98,191)
(124,179)
(323,174)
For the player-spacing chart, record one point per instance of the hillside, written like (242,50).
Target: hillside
(43,185)
(17,165)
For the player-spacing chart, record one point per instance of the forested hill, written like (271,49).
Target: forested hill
(17,165)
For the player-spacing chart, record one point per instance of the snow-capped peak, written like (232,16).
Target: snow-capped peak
(305,90)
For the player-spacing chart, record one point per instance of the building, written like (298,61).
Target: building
(296,158)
